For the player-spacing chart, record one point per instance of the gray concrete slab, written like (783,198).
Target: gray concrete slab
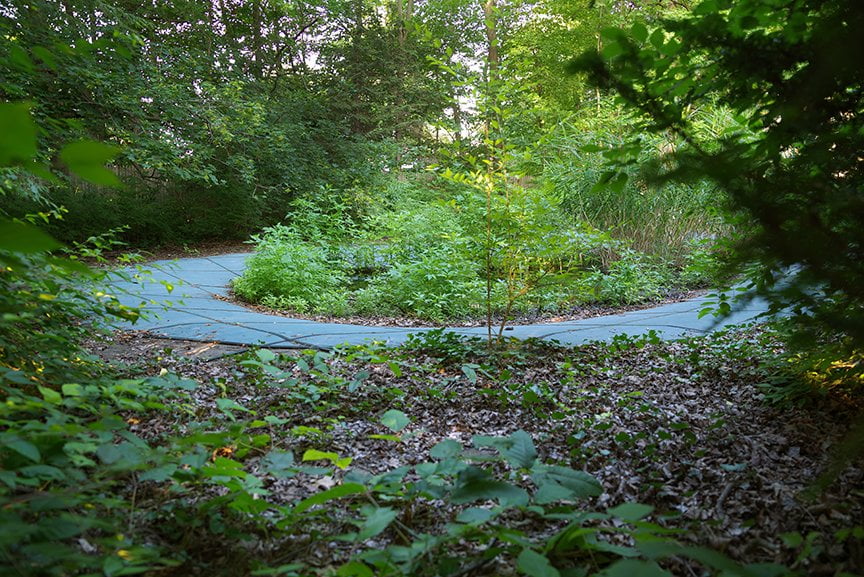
(192,313)
(218,332)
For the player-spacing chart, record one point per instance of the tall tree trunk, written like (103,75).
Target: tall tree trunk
(493,62)
(257,64)
(490,15)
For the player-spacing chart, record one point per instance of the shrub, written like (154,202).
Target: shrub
(413,232)
(633,278)
(437,286)
(702,264)
(289,273)
(328,216)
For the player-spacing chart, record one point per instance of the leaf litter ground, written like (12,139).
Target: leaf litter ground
(684,427)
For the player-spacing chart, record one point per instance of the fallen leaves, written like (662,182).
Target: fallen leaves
(686,434)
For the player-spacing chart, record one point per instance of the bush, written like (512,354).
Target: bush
(415,231)
(286,272)
(436,286)
(633,278)
(702,264)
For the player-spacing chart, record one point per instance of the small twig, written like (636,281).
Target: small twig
(133,502)
(725,493)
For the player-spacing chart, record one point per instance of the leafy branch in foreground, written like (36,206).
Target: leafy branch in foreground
(790,164)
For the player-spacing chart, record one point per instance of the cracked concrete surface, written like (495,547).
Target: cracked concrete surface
(178,298)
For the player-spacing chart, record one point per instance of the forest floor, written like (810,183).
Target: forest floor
(688,428)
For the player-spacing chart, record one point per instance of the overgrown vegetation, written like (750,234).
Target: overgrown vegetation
(448,456)
(429,260)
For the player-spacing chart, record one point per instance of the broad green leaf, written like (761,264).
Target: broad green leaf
(159,474)
(470,373)
(639,32)
(273,420)
(535,565)
(551,492)
(478,489)
(631,512)
(706,7)
(518,448)
(109,453)
(17,134)
(72,390)
(316,455)
(87,159)
(446,449)
(395,420)
(266,355)
(580,483)
(335,493)
(24,238)
(45,472)
(245,502)
(231,405)
(475,515)
(612,49)
(24,448)
(375,522)
(224,467)
(51,396)
(355,569)
(278,463)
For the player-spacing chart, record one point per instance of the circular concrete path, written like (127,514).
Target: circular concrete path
(194,314)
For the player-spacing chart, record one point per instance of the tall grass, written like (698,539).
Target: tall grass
(656,219)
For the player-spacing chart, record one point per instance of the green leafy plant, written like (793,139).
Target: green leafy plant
(633,278)
(289,273)
(436,285)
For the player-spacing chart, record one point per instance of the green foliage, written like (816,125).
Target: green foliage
(211,148)
(436,285)
(652,217)
(326,215)
(631,279)
(788,164)
(286,272)
(85,490)
(703,264)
